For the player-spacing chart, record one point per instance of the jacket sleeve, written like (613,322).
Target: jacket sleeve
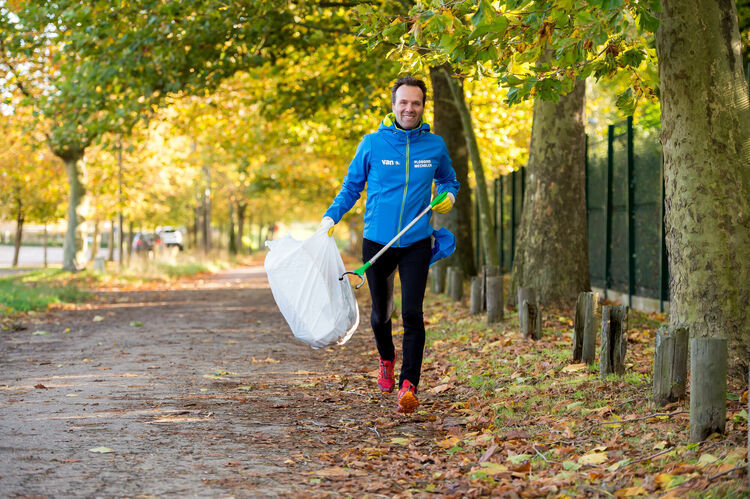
(354,182)
(445,175)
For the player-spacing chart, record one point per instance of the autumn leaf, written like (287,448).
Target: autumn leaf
(97,318)
(491,468)
(572,368)
(593,458)
(631,492)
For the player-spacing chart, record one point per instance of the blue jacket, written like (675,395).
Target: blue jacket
(398,167)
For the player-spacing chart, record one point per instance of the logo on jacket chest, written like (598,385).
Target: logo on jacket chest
(390,162)
(422,163)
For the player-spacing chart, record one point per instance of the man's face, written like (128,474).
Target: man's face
(408,106)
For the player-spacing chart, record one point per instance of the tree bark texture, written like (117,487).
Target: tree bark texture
(705,135)
(552,246)
(670,365)
(487,233)
(75,193)
(447,124)
(708,387)
(614,340)
(475,300)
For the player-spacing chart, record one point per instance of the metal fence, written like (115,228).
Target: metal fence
(625,212)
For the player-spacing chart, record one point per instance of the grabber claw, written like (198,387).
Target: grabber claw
(361,278)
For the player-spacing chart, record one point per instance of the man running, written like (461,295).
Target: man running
(398,164)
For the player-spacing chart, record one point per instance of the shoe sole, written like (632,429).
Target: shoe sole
(386,390)
(407,404)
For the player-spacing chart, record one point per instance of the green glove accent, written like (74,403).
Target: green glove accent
(445,205)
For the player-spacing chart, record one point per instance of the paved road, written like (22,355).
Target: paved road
(33,256)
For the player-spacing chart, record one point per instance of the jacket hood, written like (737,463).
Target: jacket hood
(389,123)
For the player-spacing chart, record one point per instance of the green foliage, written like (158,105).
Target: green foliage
(534,48)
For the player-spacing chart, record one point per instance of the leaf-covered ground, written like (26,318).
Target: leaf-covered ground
(197,388)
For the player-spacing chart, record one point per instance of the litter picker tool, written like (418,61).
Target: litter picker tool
(361,271)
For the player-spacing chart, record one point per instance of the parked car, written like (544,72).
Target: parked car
(170,237)
(143,242)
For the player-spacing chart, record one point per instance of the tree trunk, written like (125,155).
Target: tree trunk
(447,124)
(75,193)
(111,242)
(232,246)
(241,212)
(45,245)
(489,241)
(94,242)
(19,230)
(207,210)
(552,245)
(705,118)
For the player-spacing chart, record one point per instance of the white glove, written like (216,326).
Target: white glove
(327,223)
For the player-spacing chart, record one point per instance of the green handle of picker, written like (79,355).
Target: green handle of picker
(439,198)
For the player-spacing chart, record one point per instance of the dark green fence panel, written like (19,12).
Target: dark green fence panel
(596,196)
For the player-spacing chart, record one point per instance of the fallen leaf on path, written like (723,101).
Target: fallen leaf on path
(97,318)
(707,459)
(267,360)
(400,441)
(101,450)
(39,333)
(593,458)
(136,323)
(572,368)
(448,442)
(440,388)
(492,468)
(631,492)
(40,386)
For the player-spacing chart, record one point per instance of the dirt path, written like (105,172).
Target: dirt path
(210,397)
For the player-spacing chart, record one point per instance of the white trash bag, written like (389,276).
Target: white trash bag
(304,277)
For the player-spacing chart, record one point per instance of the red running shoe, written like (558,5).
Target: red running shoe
(386,378)
(407,398)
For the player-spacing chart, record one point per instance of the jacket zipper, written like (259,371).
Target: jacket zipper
(406,187)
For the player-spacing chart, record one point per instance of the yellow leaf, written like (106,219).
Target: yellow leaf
(572,368)
(448,442)
(631,491)
(593,458)
(98,318)
(492,468)
(400,441)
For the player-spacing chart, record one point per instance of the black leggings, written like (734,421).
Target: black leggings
(413,263)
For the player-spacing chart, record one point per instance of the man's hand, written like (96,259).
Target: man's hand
(445,205)
(328,223)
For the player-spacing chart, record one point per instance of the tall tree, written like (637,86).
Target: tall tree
(447,124)
(705,135)
(551,248)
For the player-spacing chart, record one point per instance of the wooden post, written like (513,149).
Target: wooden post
(524,294)
(584,338)
(708,387)
(487,272)
(614,342)
(455,283)
(532,321)
(494,298)
(476,299)
(437,273)
(670,365)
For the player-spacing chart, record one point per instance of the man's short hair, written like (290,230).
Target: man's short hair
(409,81)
